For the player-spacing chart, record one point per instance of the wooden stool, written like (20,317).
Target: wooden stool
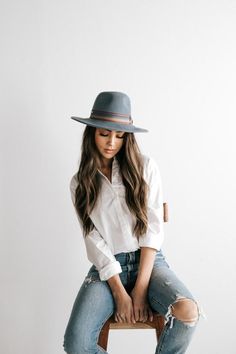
(157,324)
(165,212)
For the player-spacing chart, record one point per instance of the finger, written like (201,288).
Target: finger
(141,315)
(119,318)
(123,318)
(136,314)
(129,315)
(150,314)
(128,318)
(145,315)
(133,317)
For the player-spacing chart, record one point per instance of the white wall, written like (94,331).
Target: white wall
(176,61)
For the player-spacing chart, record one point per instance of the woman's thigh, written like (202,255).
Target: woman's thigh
(93,305)
(165,286)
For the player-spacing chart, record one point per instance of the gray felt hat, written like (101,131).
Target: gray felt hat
(111,110)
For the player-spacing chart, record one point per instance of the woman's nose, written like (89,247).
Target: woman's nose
(111,141)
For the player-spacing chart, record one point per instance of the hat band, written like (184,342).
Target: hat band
(112,117)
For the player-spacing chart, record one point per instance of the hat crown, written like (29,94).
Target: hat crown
(111,110)
(113,102)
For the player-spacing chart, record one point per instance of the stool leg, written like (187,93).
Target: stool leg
(103,336)
(160,326)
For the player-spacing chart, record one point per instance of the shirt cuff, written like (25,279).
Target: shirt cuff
(109,270)
(152,240)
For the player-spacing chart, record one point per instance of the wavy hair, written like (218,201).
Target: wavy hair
(89,180)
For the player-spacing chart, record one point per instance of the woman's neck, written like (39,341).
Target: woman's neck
(106,164)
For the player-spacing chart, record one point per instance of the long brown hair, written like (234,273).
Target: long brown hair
(89,180)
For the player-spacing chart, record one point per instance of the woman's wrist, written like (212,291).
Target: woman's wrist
(140,291)
(141,284)
(119,293)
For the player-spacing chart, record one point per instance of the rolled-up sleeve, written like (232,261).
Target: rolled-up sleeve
(100,255)
(98,252)
(154,236)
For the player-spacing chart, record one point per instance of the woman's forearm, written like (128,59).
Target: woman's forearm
(124,305)
(116,285)
(142,310)
(147,257)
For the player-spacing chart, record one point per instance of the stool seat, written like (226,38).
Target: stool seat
(157,324)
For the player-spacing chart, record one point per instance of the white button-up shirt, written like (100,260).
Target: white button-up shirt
(114,223)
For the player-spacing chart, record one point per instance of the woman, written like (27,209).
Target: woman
(117,194)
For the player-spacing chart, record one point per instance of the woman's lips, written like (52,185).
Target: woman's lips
(109,151)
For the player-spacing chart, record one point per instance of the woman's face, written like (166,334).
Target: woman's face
(108,142)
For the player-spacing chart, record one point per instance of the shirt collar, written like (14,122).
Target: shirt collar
(115,167)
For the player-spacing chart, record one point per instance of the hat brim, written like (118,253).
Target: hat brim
(110,125)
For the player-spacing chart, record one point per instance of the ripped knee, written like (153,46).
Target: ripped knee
(185,310)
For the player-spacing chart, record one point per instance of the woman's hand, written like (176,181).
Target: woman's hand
(124,308)
(141,308)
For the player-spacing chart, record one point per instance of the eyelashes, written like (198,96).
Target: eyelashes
(119,137)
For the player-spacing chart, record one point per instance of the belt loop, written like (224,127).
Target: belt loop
(132,257)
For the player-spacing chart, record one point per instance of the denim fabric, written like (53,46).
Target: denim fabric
(94,304)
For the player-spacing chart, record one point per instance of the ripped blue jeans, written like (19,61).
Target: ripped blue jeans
(94,304)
